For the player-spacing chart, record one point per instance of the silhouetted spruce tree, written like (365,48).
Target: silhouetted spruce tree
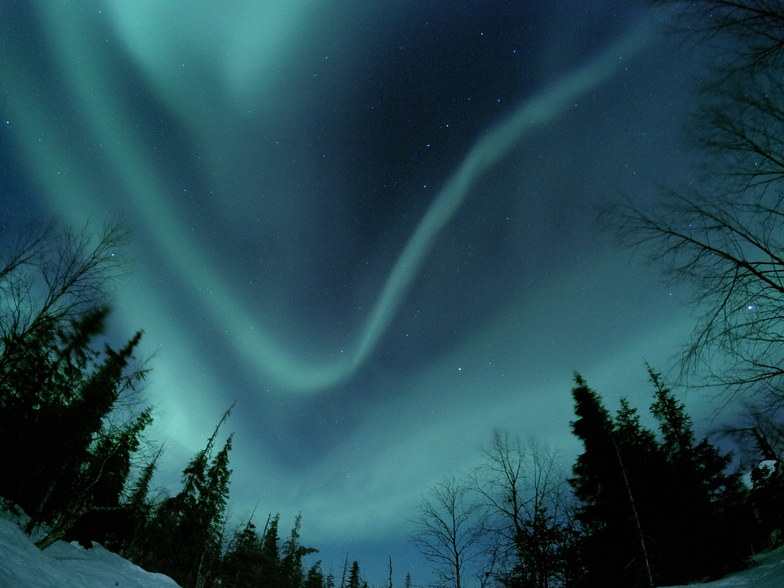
(407,582)
(242,564)
(293,552)
(354,578)
(315,577)
(251,561)
(38,390)
(56,387)
(649,483)
(270,555)
(75,423)
(711,531)
(95,511)
(28,412)
(664,511)
(613,547)
(140,507)
(109,464)
(54,293)
(183,537)
(103,481)
(212,507)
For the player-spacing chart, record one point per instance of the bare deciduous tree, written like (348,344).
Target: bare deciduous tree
(52,278)
(724,235)
(449,530)
(525,492)
(731,252)
(760,435)
(749,34)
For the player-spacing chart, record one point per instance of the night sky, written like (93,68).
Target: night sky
(371,224)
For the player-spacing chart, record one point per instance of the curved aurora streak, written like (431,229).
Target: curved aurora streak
(135,169)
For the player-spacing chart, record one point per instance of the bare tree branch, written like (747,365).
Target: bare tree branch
(449,529)
(52,278)
(724,236)
(525,492)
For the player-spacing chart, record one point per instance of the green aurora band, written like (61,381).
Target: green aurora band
(70,185)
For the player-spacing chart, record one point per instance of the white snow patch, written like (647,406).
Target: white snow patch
(766,571)
(67,565)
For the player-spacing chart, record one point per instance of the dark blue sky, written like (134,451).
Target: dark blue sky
(370,224)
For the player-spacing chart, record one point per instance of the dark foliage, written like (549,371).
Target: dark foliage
(70,451)
(767,498)
(57,389)
(183,536)
(354,578)
(112,528)
(253,560)
(612,547)
(653,511)
(760,435)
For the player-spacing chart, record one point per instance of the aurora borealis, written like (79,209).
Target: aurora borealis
(369,224)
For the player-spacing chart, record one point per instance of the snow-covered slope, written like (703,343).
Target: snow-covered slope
(766,572)
(66,565)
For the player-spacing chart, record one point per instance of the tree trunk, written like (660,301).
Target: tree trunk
(636,517)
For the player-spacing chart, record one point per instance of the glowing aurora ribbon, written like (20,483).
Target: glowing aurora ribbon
(133,166)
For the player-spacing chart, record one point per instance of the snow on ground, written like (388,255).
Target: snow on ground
(767,571)
(66,565)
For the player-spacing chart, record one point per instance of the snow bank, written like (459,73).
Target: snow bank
(767,571)
(67,565)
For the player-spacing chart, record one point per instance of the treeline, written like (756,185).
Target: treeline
(641,507)
(72,425)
